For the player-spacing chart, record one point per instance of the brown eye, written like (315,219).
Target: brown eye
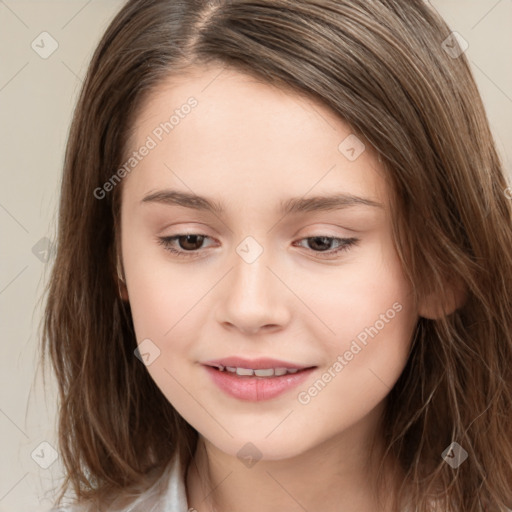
(188,244)
(321,244)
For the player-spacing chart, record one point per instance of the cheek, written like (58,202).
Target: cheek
(162,296)
(367,293)
(163,306)
(359,374)
(373,320)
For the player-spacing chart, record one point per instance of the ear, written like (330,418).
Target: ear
(121,283)
(435,306)
(123,292)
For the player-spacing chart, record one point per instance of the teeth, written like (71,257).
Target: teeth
(264,373)
(244,371)
(267,372)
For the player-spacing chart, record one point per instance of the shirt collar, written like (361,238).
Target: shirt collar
(175,499)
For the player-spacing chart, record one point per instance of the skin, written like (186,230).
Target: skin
(248,146)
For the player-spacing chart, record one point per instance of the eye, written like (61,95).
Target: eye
(320,242)
(188,241)
(189,244)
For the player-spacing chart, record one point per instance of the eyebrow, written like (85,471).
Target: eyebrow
(293,205)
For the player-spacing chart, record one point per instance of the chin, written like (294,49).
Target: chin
(256,447)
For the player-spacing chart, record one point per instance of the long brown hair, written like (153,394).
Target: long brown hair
(382,67)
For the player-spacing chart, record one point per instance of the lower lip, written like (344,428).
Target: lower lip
(255,389)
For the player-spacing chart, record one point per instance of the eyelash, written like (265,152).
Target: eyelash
(346,244)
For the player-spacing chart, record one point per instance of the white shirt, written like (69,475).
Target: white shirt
(174,498)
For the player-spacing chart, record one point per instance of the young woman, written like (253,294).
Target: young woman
(283,278)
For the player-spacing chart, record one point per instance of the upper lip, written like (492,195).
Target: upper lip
(254,364)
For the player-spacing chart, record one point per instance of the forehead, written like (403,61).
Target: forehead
(217,131)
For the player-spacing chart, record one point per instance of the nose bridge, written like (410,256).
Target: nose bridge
(251,275)
(254,296)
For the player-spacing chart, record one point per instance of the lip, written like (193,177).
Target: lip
(254,388)
(255,364)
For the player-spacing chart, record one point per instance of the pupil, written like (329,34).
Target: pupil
(187,238)
(326,242)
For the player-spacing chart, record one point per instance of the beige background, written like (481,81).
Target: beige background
(37,97)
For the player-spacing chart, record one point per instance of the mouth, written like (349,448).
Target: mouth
(259,372)
(262,367)
(256,380)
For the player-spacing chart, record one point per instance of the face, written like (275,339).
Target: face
(269,270)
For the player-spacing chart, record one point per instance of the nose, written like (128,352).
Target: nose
(254,297)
